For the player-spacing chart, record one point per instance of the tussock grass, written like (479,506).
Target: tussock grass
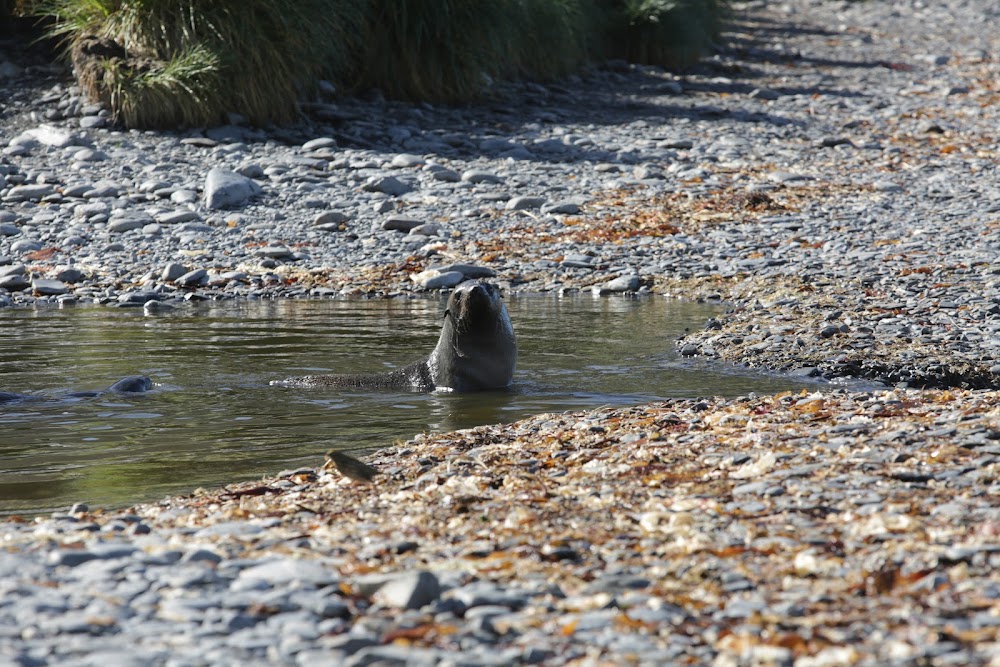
(189,62)
(169,63)
(668,33)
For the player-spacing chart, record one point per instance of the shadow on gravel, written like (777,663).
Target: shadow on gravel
(519,124)
(753,40)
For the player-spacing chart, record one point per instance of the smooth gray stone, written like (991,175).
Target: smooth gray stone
(176,217)
(524,203)
(69,274)
(48,135)
(227,189)
(14,282)
(389,185)
(25,245)
(317,144)
(93,122)
(412,590)
(193,278)
(8,229)
(127,224)
(446,175)
(438,280)
(274,252)
(286,570)
(480,176)
(401,223)
(13,269)
(392,655)
(562,208)
(138,297)
(578,261)
(48,287)
(30,192)
(173,271)
(89,155)
(404,160)
(330,217)
(470,271)
(623,284)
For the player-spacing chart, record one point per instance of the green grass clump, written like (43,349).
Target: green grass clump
(170,63)
(554,37)
(189,62)
(447,50)
(668,33)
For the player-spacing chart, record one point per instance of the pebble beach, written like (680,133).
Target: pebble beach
(829,175)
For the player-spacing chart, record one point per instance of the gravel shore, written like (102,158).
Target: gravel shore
(831,174)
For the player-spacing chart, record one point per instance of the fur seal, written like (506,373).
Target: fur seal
(133,384)
(476,350)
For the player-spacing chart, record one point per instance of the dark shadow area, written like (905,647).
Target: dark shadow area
(516,119)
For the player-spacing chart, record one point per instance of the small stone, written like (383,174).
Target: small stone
(173,271)
(30,192)
(764,94)
(227,189)
(8,229)
(524,203)
(401,223)
(446,175)
(25,245)
(330,217)
(128,223)
(887,186)
(412,590)
(830,142)
(69,274)
(386,184)
(177,217)
(480,176)
(624,284)
(317,144)
(193,278)
(14,282)
(434,279)
(93,122)
(89,155)
(52,136)
(562,208)
(470,271)
(579,261)
(274,252)
(250,170)
(404,160)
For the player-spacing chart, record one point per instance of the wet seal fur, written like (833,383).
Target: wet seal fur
(476,350)
(133,384)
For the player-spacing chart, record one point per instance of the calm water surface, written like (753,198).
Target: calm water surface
(213,419)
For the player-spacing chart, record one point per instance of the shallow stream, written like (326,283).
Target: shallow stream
(212,417)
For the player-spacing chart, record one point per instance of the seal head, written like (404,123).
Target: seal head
(477,349)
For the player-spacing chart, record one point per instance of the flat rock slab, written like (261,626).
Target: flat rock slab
(48,287)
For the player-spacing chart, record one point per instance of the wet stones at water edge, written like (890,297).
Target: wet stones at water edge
(476,351)
(132,384)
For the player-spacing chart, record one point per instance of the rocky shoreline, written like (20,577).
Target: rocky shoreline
(831,174)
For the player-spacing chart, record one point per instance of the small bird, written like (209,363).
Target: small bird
(350,467)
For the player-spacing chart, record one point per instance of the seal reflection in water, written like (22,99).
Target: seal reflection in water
(476,350)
